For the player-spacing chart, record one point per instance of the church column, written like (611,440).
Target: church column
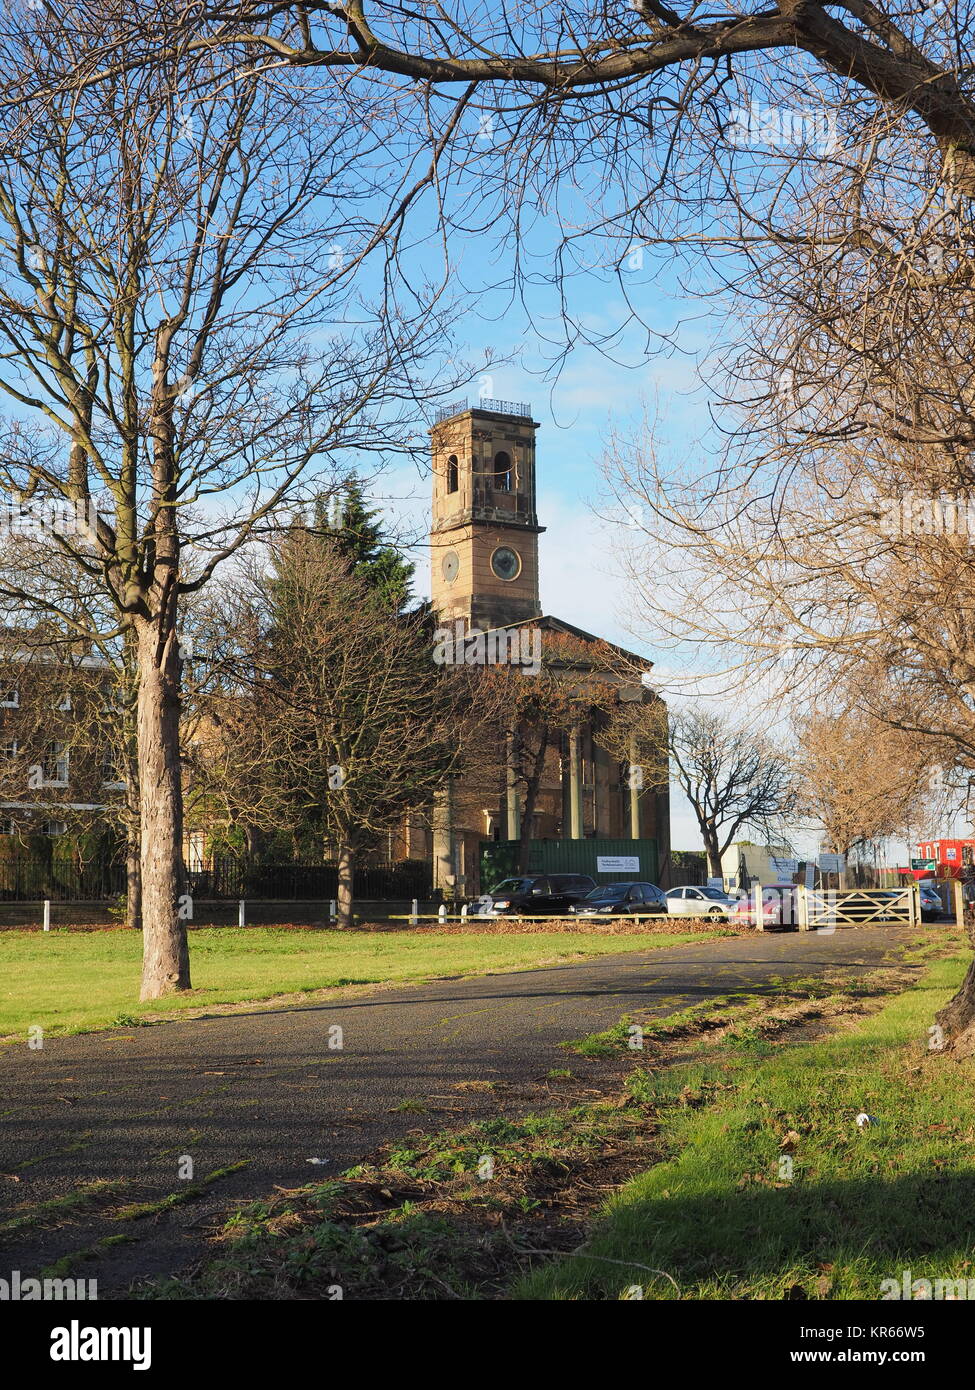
(575,784)
(444,869)
(635,778)
(513,799)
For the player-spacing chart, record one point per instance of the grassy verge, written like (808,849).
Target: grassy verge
(773,1191)
(70,982)
(470,1213)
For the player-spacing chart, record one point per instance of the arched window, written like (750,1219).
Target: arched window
(452,474)
(502,472)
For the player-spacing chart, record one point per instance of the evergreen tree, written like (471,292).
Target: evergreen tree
(358,536)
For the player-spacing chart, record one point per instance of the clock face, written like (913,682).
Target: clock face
(450,566)
(506,563)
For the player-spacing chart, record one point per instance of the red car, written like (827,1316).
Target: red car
(778,907)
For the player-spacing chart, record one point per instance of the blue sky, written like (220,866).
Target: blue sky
(581,576)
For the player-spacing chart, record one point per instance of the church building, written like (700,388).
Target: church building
(579,799)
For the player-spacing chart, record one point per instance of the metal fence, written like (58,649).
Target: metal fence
(27,878)
(238,878)
(31,878)
(488,403)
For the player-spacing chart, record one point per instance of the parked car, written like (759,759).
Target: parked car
(621,899)
(931,905)
(691,901)
(539,893)
(779,907)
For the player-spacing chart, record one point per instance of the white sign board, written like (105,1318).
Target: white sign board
(832,863)
(785,868)
(617,863)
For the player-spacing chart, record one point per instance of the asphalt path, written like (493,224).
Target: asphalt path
(273,1088)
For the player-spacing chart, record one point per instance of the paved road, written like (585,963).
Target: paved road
(264,1085)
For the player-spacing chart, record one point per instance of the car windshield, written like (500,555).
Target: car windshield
(514,885)
(714,893)
(612,890)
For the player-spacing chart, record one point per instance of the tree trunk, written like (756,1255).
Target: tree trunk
(165,958)
(713,853)
(957,1019)
(531,796)
(133,810)
(133,876)
(346,883)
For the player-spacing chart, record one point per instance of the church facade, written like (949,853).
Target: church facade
(554,782)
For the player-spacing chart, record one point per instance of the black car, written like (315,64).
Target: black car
(538,894)
(619,899)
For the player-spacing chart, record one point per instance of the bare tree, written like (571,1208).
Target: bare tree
(183,345)
(859,778)
(353,725)
(732,776)
(829,543)
(536,709)
(613,67)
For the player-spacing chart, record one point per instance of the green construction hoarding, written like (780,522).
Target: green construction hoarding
(607,861)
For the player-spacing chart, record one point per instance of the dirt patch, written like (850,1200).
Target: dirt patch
(464,1213)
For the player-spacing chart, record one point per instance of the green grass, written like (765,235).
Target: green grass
(719,1220)
(79,1199)
(67,982)
(358,1234)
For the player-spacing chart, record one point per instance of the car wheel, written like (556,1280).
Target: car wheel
(715,912)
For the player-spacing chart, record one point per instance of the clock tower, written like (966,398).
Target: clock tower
(484,537)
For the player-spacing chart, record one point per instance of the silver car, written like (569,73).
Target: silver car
(701,902)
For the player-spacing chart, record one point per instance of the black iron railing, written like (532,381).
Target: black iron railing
(237,878)
(26,878)
(521,408)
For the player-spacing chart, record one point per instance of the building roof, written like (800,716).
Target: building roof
(549,623)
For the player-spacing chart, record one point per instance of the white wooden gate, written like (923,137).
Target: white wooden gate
(825,909)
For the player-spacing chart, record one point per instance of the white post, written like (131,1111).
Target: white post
(47,914)
(959,904)
(413,913)
(240,913)
(802,901)
(757,906)
(442,914)
(463,913)
(331,910)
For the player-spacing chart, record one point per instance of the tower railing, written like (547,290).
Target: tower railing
(496,407)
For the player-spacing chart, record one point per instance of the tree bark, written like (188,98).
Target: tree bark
(346,877)
(957,1018)
(531,796)
(133,875)
(165,960)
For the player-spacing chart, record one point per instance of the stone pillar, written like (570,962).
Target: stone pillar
(634,779)
(443,843)
(513,799)
(575,784)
